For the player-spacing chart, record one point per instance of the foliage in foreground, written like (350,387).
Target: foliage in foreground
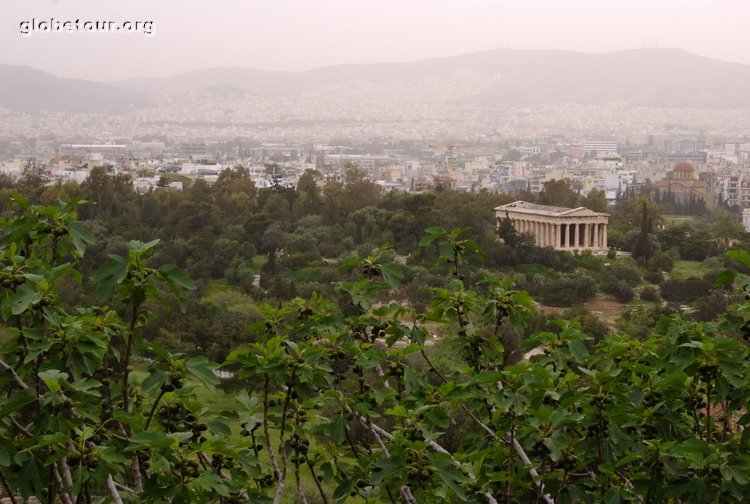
(353,402)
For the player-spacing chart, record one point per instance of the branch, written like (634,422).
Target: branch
(282,429)
(381,374)
(6,486)
(123,487)
(21,428)
(269,446)
(153,409)
(59,484)
(522,455)
(378,431)
(406,494)
(516,445)
(126,359)
(13,373)
(137,479)
(300,491)
(113,490)
(66,472)
(317,483)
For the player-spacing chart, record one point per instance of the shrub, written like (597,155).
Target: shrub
(567,290)
(623,292)
(711,306)
(619,280)
(616,238)
(661,261)
(684,291)
(655,277)
(626,271)
(650,293)
(590,323)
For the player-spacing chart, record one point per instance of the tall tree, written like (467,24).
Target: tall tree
(558,193)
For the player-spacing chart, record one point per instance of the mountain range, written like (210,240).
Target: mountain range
(641,77)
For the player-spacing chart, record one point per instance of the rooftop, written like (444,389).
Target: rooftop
(533,208)
(683,167)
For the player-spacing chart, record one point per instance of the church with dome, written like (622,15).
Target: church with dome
(682,185)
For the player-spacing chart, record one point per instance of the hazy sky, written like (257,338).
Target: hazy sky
(299,34)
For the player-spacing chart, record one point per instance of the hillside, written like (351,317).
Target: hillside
(27,89)
(652,77)
(643,77)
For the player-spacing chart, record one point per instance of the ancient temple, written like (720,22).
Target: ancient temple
(558,227)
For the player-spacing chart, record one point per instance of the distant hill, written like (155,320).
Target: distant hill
(27,89)
(651,77)
(648,77)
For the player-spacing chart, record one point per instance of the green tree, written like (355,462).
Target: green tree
(595,200)
(558,193)
(112,194)
(644,247)
(33,179)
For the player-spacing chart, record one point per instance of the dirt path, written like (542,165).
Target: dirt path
(604,307)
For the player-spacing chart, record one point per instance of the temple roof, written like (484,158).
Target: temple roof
(534,209)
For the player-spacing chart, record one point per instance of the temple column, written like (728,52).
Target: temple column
(587,235)
(593,242)
(552,235)
(538,233)
(551,230)
(558,238)
(585,241)
(604,236)
(582,235)
(596,236)
(571,235)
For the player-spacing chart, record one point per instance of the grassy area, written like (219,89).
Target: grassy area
(309,273)
(590,262)
(688,269)
(258,261)
(215,285)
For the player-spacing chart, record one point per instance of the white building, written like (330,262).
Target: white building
(746,219)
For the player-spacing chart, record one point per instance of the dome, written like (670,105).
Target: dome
(683,167)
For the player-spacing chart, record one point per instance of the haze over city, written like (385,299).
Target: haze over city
(302,35)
